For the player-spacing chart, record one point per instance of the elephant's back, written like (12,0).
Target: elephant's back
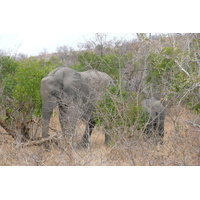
(154,107)
(61,78)
(62,73)
(96,79)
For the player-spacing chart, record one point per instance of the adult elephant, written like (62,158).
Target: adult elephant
(75,93)
(156,111)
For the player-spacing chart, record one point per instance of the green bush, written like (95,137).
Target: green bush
(27,89)
(161,67)
(8,68)
(166,77)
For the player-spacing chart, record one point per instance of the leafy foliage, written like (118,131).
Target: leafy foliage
(27,89)
(8,67)
(161,67)
(170,79)
(119,108)
(108,63)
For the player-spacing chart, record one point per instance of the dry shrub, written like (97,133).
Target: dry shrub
(181,147)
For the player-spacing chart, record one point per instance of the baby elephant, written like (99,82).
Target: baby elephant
(156,111)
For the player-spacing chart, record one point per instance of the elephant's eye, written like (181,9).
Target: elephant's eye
(55,93)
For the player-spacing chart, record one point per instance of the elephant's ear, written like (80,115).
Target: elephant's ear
(50,88)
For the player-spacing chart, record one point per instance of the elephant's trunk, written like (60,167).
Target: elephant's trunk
(47,108)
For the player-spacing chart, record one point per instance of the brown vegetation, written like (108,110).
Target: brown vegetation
(181,147)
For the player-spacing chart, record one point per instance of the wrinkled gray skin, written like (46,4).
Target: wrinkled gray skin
(157,117)
(75,93)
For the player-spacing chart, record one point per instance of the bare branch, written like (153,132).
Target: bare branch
(8,130)
(181,68)
(39,142)
(193,124)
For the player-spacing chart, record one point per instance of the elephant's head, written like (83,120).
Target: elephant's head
(156,111)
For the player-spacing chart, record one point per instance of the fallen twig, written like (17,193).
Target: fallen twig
(33,121)
(193,124)
(39,142)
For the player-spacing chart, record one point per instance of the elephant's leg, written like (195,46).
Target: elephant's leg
(148,129)
(159,133)
(62,118)
(158,129)
(68,116)
(161,129)
(68,120)
(88,131)
(107,138)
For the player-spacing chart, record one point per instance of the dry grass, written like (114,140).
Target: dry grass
(181,147)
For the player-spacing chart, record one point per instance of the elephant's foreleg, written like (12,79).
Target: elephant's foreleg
(68,119)
(159,126)
(62,116)
(161,129)
(86,136)
(107,138)
(149,129)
